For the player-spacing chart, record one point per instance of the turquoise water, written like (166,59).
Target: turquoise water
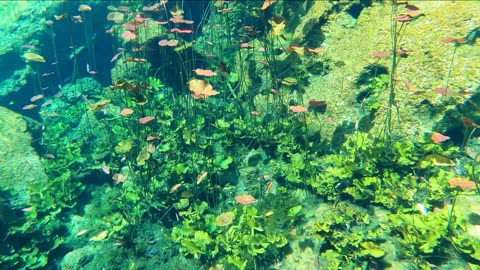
(239,135)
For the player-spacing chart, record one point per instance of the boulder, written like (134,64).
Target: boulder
(20,165)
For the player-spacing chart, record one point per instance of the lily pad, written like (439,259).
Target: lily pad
(123,147)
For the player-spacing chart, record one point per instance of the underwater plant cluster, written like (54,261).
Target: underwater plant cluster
(265,134)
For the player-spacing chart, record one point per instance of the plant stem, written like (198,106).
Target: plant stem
(474,175)
(391,98)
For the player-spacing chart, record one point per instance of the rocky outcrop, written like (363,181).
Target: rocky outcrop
(20,165)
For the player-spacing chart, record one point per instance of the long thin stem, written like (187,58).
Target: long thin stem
(391,98)
(450,67)
(474,174)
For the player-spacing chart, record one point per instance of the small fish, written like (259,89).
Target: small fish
(99,237)
(28,46)
(28,209)
(46,103)
(105,169)
(47,74)
(269,186)
(422,209)
(175,188)
(115,57)
(50,156)
(36,97)
(29,107)
(80,233)
(201,177)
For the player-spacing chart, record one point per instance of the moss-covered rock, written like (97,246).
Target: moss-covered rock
(19,163)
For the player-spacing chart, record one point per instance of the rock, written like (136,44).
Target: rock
(20,165)
(21,28)
(79,258)
(467,210)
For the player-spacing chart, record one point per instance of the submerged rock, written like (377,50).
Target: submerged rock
(20,165)
(79,258)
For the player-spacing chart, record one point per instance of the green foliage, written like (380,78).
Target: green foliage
(373,91)
(162,162)
(349,232)
(240,244)
(373,171)
(36,234)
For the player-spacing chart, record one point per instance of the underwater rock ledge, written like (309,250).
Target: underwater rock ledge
(20,165)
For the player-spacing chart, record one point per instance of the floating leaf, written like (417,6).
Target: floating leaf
(294,211)
(123,147)
(99,105)
(298,50)
(143,156)
(225,218)
(145,119)
(126,112)
(115,16)
(289,81)
(278,25)
(438,137)
(201,89)
(435,160)
(33,57)
(267,3)
(245,199)
(371,249)
(119,178)
(298,109)
(204,72)
(462,183)
(225,163)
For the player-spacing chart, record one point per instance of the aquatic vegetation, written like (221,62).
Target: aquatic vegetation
(208,129)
